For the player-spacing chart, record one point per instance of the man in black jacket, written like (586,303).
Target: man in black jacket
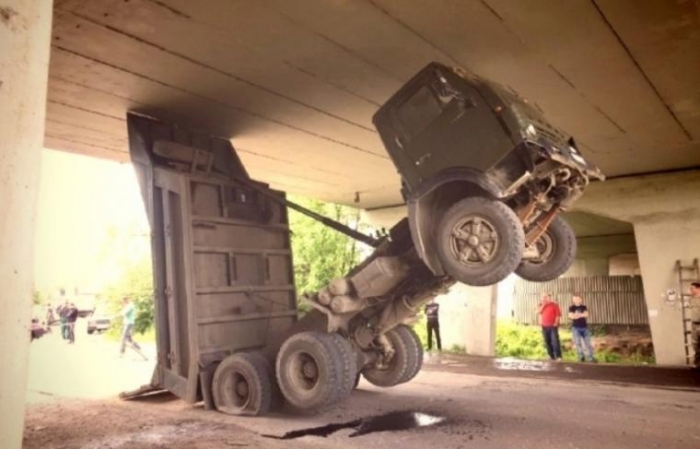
(71,318)
(431,312)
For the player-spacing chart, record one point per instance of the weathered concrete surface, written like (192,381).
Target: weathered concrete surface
(594,254)
(488,404)
(665,212)
(468,319)
(296,83)
(25,27)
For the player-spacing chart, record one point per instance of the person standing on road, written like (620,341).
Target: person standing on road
(578,314)
(71,318)
(50,317)
(432,310)
(550,315)
(695,321)
(63,317)
(129,317)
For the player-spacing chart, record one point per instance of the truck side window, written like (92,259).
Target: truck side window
(418,111)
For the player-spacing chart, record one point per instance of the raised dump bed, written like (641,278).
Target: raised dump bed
(226,316)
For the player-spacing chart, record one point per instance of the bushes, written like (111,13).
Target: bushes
(526,342)
(136,282)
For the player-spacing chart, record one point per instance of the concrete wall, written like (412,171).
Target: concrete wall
(625,265)
(665,212)
(468,319)
(594,254)
(25,27)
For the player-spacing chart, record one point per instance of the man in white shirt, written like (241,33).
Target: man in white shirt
(129,315)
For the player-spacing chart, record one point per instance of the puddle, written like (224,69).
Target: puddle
(390,422)
(521,365)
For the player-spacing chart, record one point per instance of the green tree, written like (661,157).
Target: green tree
(136,282)
(38,298)
(321,253)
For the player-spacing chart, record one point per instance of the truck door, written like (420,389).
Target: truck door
(446,123)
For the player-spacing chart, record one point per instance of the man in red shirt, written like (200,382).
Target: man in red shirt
(550,314)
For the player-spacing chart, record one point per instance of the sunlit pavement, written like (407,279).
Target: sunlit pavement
(485,404)
(91,368)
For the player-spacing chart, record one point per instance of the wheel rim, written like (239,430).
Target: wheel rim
(475,241)
(240,390)
(546,247)
(303,371)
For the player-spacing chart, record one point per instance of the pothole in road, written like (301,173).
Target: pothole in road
(390,422)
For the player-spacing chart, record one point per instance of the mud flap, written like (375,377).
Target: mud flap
(147,390)
(206,377)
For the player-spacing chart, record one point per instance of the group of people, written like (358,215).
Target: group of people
(550,318)
(68,315)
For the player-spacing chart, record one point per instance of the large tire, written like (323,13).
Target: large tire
(346,357)
(309,371)
(395,371)
(557,247)
(414,351)
(242,385)
(479,241)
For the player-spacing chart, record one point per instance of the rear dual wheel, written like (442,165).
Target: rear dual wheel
(243,384)
(403,365)
(316,370)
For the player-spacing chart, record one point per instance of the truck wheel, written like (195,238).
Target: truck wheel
(242,385)
(309,373)
(414,351)
(480,241)
(393,371)
(557,248)
(346,357)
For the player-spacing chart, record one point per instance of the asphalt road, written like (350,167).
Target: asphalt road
(495,408)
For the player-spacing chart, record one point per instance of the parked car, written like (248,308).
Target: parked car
(98,323)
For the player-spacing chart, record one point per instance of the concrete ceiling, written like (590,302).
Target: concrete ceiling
(589,225)
(294,84)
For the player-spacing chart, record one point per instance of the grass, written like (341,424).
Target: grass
(526,342)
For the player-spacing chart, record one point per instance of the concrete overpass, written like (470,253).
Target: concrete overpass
(295,84)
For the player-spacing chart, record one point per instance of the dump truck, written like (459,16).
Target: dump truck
(484,177)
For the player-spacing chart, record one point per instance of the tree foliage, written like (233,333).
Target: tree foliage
(321,253)
(136,282)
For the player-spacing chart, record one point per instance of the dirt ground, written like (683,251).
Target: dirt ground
(113,424)
(485,404)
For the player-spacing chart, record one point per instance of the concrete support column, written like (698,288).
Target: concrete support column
(480,323)
(25,33)
(665,212)
(468,319)
(660,243)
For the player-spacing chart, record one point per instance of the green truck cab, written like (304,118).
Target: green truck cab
(484,175)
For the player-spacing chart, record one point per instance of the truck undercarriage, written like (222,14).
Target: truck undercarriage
(226,304)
